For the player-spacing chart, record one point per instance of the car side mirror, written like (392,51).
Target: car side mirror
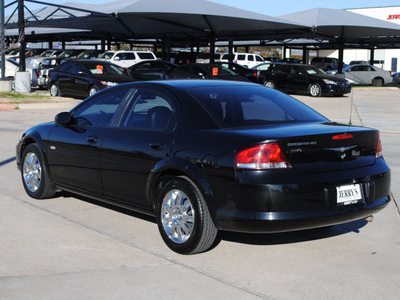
(63,118)
(116,58)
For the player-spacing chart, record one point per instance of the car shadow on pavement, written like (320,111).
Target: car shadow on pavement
(293,236)
(246,238)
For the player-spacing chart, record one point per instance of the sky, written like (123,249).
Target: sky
(271,8)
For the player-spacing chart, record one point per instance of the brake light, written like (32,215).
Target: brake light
(343,136)
(378,148)
(262,157)
(255,74)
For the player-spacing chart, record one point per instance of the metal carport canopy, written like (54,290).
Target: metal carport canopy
(173,19)
(340,26)
(341,23)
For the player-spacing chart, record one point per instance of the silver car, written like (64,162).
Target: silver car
(366,74)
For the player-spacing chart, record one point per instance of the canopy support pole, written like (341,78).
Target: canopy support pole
(212,48)
(341,55)
(372,56)
(230,50)
(21,34)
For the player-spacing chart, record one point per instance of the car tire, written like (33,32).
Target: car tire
(377,82)
(54,90)
(33,173)
(183,217)
(269,83)
(93,90)
(314,90)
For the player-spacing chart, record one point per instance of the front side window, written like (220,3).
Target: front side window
(100,110)
(149,110)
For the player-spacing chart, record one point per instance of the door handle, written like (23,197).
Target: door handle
(92,139)
(157,146)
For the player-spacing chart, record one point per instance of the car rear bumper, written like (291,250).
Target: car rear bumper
(273,222)
(311,202)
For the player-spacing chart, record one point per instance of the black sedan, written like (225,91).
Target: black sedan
(206,71)
(306,79)
(151,70)
(83,78)
(208,155)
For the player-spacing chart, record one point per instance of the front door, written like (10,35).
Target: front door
(73,151)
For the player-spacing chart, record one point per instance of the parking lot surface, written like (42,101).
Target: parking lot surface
(75,248)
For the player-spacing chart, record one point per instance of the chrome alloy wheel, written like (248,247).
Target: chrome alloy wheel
(54,90)
(32,172)
(178,216)
(315,90)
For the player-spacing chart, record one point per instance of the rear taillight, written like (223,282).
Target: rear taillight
(378,148)
(262,157)
(343,136)
(255,74)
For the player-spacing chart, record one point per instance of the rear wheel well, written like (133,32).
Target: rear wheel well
(162,180)
(378,81)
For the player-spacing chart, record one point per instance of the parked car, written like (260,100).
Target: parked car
(272,58)
(49,63)
(250,74)
(204,156)
(28,53)
(83,78)
(35,62)
(205,71)
(291,60)
(300,78)
(151,70)
(396,77)
(366,74)
(10,68)
(90,54)
(325,63)
(358,62)
(125,58)
(248,60)
(263,66)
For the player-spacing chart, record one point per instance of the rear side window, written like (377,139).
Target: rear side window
(241,57)
(244,106)
(149,110)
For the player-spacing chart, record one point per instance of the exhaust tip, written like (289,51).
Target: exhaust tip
(369,218)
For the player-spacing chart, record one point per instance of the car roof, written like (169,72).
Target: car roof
(189,83)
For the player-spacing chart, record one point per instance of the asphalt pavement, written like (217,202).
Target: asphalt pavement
(75,248)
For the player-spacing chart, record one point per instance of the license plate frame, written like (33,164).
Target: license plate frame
(349,194)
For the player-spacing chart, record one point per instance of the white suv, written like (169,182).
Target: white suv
(245,59)
(127,58)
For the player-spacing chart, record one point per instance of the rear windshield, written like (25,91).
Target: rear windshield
(242,106)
